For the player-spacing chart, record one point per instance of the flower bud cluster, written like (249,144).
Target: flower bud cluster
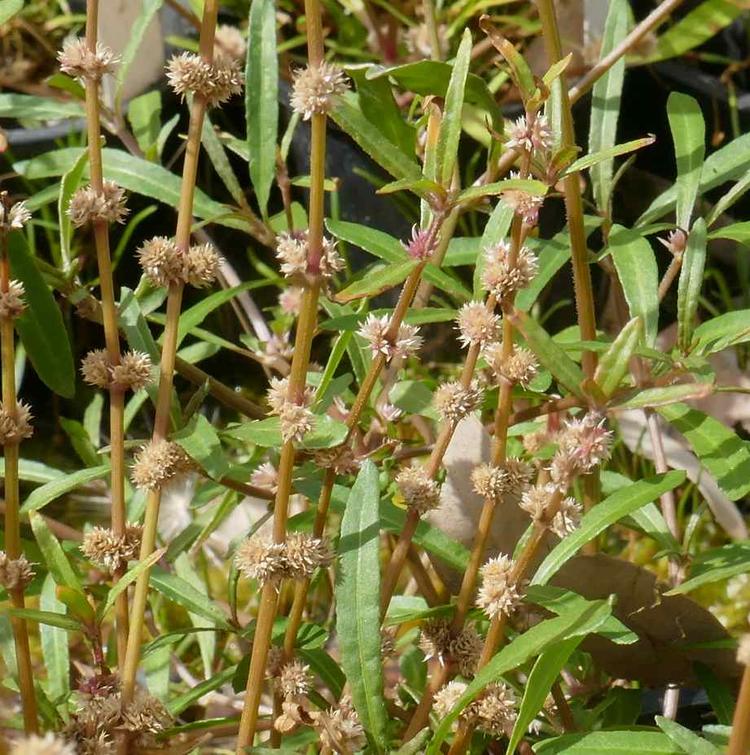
(12,303)
(88,205)
(498,594)
(165,264)
(294,413)
(454,402)
(315,88)
(420,492)
(132,373)
(159,463)
(375,330)
(15,426)
(80,62)
(216,82)
(501,277)
(297,557)
(292,251)
(109,551)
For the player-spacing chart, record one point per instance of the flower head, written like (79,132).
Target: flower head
(495,482)
(262,559)
(15,573)
(446,699)
(111,552)
(203,264)
(523,204)
(568,517)
(476,324)
(502,278)
(454,402)
(290,300)
(438,640)
(80,62)
(339,729)
(498,594)
(583,444)
(216,82)
(294,680)
(165,264)
(495,711)
(88,205)
(15,426)
(305,553)
(418,489)
(265,476)
(12,303)
(536,502)
(292,251)
(158,463)
(133,372)
(520,368)
(13,216)
(375,331)
(530,136)
(315,88)
(341,459)
(421,244)
(229,41)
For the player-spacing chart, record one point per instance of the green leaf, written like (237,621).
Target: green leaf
(689,136)
(51,618)
(127,579)
(33,108)
(614,363)
(567,373)
(730,162)
(689,287)
(326,432)
(546,670)
(730,198)
(202,444)
(719,333)
(528,185)
(532,642)
(617,742)
(358,603)
(520,72)
(684,738)
(718,692)
(349,117)
(54,643)
(639,276)
(606,155)
(41,326)
(149,9)
(184,594)
(650,521)
(58,487)
(720,450)
(218,157)
(715,565)
(376,280)
(613,508)
(739,232)
(412,396)
(450,125)
(54,556)
(70,182)
(605,102)
(180,703)
(8,9)
(261,98)
(144,114)
(641,398)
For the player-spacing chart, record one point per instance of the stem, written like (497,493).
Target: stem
(671,273)
(739,741)
(572,190)
(297,380)
(168,355)
(111,331)
(428,8)
(13,547)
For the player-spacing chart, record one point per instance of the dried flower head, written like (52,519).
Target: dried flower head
(296,421)
(435,637)
(418,489)
(498,594)
(145,715)
(78,61)
(375,331)
(342,459)
(95,368)
(228,40)
(446,699)
(495,711)
(502,278)
(523,204)
(568,517)
(88,205)
(438,640)
(294,680)
(743,650)
(162,261)
(536,502)
(13,216)
(466,648)
(48,744)
(109,551)
(15,573)
(158,463)
(586,442)
(530,136)
(292,250)
(12,303)
(265,476)
(262,559)
(495,482)
(389,412)
(421,245)
(454,402)
(476,324)
(15,426)
(339,729)
(203,264)
(536,441)
(290,300)
(676,242)
(133,372)
(216,82)
(315,88)
(305,553)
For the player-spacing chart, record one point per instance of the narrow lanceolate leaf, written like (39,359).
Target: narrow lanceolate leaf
(54,556)
(529,185)
(261,98)
(349,117)
(613,366)
(218,157)
(540,681)
(624,742)
(520,72)
(724,454)
(202,444)
(58,487)
(184,594)
(715,565)
(691,279)
(639,276)
(450,126)
(54,643)
(550,355)
(605,103)
(41,326)
(376,280)
(51,618)
(721,332)
(595,158)
(689,136)
(127,579)
(664,395)
(574,623)
(68,186)
(613,508)
(358,603)
(685,739)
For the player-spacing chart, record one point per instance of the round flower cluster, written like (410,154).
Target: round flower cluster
(495,482)
(15,426)
(503,279)
(454,402)
(158,463)
(13,216)
(12,303)
(80,62)
(297,557)
(315,88)
(165,264)
(498,594)
(520,368)
(582,445)
(523,204)
(418,489)
(216,82)
(295,417)
(292,251)
(493,713)
(375,330)
(530,135)
(15,573)
(438,640)
(548,508)
(111,552)
(132,373)
(476,324)
(88,205)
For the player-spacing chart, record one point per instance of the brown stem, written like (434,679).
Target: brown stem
(671,273)
(739,740)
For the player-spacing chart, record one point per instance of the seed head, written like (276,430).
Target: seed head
(446,699)
(304,554)
(294,680)
(536,501)
(476,324)
(15,573)
(418,489)
(296,421)
(216,82)
(12,303)
(498,594)
(466,648)
(290,300)
(88,205)
(266,476)
(534,136)
(315,88)
(158,463)
(339,729)
(133,372)
(15,426)
(292,250)
(743,650)
(109,551)
(495,711)
(78,61)
(203,263)
(520,368)
(95,368)
(48,744)
(501,278)
(145,715)
(341,459)
(496,482)
(12,216)
(568,517)
(523,204)
(438,640)
(375,331)
(454,402)
(421,244)
(261,559)
(162,261)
